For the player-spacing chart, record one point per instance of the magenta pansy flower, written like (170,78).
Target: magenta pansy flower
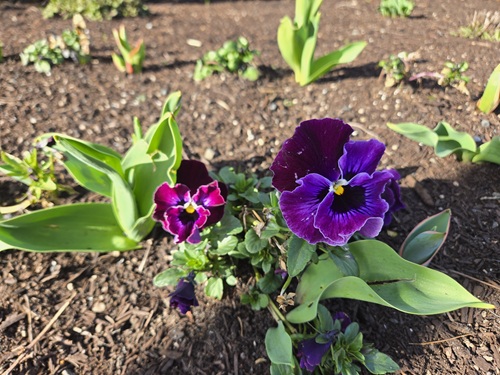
(195,202)
(329,185)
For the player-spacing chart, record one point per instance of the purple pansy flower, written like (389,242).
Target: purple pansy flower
(329,186)
(311,351)
(195,202)
(183,296)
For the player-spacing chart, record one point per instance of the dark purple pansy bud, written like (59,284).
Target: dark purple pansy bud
(183,297)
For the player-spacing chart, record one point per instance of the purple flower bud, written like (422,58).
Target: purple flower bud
(310,353)
(183,297)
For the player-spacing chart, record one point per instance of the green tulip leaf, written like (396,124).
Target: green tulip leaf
(451,141)
(386,279)
(76,227)
(491,95)
(415,132)
(425,240)
(489,151)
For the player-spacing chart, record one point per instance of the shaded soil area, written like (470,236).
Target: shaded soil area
(112,319)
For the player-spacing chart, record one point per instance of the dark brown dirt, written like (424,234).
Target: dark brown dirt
(114,320)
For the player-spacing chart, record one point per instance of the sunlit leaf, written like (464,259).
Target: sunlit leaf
(489,151)
(75,227)
(279,346)
(491,95)
(415,132)
(385,279)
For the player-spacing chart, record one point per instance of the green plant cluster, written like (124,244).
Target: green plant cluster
(72,44)
(95,9)
(396,8)
(233,56)
(396,68)
(484,25)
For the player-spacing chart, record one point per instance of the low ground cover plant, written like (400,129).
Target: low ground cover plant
(131,59)
(450,76)
(396,68)
(297,44)
(96,10)
(484,25)
(396,8)
(70,45)
(307,232)
(233,57)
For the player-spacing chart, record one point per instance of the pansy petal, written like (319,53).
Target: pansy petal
(209,195)
(167,196)
(300,205)
(315,147)
(193,173)
(360,156)
(372,227)
(392,195)
(180,223)
(339,218)
(311,353)
(203,214)
(195,237)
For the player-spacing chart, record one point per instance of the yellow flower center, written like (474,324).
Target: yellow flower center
(338,187)
(339,190)
(190,209)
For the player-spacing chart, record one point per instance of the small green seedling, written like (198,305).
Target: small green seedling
(297,43)
(451,75)
(491,96)
(233,56)
(396,8)
(484,25)
(72,44)
(34,171)
(396,68)
(447,141)
(131,59)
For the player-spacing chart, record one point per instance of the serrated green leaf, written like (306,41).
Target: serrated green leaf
(298,256)
(214,288)
(170,276)
(225,246)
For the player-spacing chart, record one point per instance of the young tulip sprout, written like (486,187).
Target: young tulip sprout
(195,202)
(329,187)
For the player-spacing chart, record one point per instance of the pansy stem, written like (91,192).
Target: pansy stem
(286,284)
(278,316)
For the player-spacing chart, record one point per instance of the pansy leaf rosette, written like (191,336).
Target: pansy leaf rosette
(329,185)
(195,202)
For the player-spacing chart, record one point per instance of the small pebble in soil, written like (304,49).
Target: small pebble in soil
(485,123)
(99,307)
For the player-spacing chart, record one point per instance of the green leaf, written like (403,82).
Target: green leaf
(290,46)
(170,276)
(75,227)
(172,104)
(253,242)
(344,55)
(415,132)
(225,246)
(299,254)
(279,346)
(344,260)
(251,73)
(491,95)
(489,151)
(325,320)
(425,240)
(214,287)
(451,141)
(386,279)
(270,282)
(377,362)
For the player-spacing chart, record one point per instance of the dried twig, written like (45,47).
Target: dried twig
(23,351)
(478,280)
(440,341)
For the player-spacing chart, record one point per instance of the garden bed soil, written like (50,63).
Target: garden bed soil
(112,319)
